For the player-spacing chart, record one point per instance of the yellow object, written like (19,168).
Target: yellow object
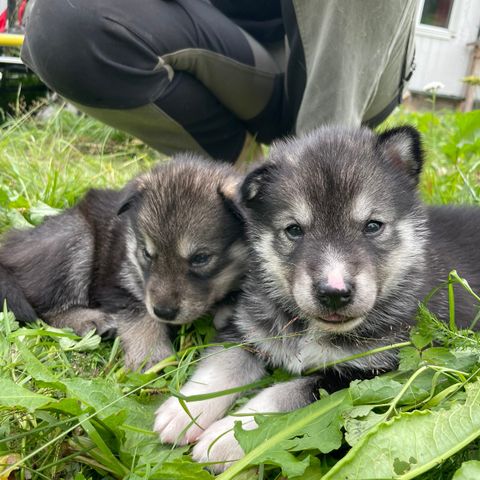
(6,464)
(11,40)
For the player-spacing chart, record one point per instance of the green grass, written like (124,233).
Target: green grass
(90,418)
(452,144)
(55,161)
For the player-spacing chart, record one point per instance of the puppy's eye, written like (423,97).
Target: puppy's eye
(294,231)
(200,259)
(148,256)
(373,227)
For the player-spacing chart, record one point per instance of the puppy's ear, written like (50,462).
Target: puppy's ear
(229,192)
(131,194)
(255,181)
(402,147)
(128,203)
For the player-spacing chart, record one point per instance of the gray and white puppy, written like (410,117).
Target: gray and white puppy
(162,251)
(342,250)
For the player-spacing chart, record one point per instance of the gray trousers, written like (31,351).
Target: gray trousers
(182,75)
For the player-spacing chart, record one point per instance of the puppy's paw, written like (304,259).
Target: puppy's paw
(142,354)
(218,444)
(145,341)
(83,320)
(174,425)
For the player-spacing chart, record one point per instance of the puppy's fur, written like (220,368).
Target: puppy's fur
(161,251)
(342,250)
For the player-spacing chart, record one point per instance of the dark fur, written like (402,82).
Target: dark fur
(332,183)
(75,269)
(332,167)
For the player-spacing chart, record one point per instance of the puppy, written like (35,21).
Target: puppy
(342,250)
(162,251)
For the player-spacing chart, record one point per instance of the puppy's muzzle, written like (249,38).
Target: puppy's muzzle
(165,312)
(333,298)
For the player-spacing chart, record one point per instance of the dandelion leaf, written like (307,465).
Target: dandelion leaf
(468,471)
(316,427)
(413,442)
(13,395)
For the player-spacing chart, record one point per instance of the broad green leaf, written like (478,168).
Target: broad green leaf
(409,358)
(39,329)
(115,419)
(438,356)
(316,426)
(90,341)
(19,202)
(314,471)
(204,326)
(412,443)
(148,453)
(180,469)
(382,390)
(468,471)
(420,340)
(35,367)
(69,406)
(13,395)
(80,476)
(466,359)
(462,360)
(378,390)
(358,420)
(135,379)
(106,399)
(17,220)
(41,210)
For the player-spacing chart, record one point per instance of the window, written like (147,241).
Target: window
(437,13)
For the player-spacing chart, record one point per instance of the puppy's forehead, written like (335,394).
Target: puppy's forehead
(174,215)
(318,179)
(330,158)
(331,171)
(181,198)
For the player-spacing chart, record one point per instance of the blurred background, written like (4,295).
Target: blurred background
(447,56)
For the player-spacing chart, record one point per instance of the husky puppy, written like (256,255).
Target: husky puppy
(342,250)
(162,251)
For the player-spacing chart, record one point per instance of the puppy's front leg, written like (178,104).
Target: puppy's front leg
(220,369)
(218,443)
(144,340)
(82,319)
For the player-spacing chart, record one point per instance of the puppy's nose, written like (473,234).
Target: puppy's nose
(165,312)
(334,298)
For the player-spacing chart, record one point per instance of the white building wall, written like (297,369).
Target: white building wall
(442,55)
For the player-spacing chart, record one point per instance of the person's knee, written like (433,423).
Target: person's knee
(83,51)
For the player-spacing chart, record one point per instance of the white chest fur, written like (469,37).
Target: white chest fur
(301,353)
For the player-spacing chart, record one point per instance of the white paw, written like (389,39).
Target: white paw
(218,443)
(174,425)
(215,374)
